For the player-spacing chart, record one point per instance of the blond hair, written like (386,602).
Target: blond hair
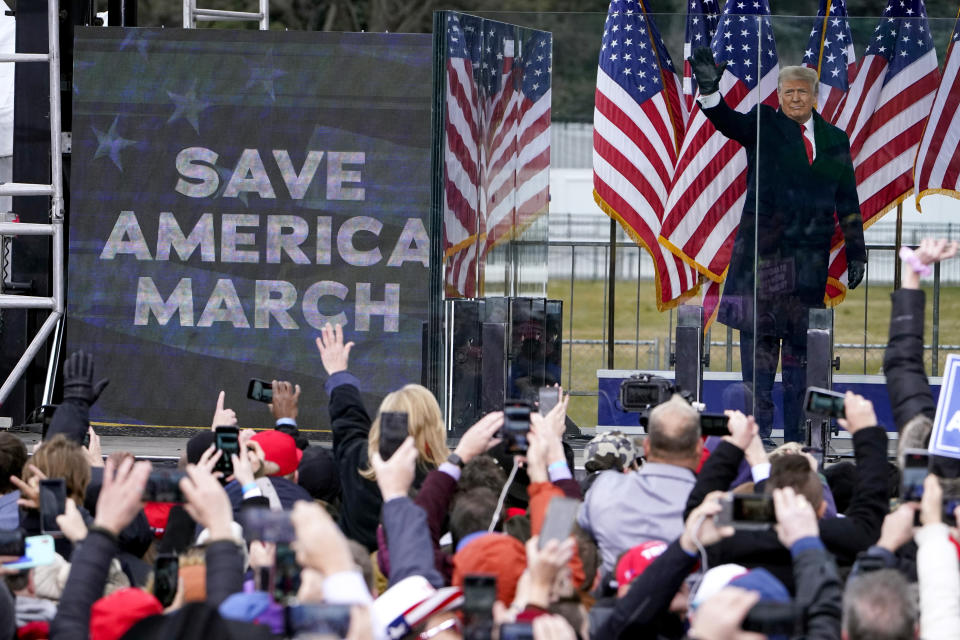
(424,421)
(60,457)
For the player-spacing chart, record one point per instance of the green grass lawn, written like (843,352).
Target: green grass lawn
(863,317)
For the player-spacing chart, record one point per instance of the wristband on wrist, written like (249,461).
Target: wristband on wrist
(908,256)
(95,528)
(559,464)
(250,486)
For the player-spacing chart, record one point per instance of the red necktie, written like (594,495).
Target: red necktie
(807,144)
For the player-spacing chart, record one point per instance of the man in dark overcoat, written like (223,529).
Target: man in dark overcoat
(800,182)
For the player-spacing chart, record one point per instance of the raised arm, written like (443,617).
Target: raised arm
(723,465)
(119,502)
(348,417)
(846,537)
(404,523)
(907,383)
(733,124)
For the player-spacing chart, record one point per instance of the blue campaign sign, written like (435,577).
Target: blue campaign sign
(945,439)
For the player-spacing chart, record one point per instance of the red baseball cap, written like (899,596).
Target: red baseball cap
(280,449)
(634,562)
(112,616)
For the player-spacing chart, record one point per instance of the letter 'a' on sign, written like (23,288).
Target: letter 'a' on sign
(945,438)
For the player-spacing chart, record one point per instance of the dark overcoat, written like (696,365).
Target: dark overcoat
(798,205)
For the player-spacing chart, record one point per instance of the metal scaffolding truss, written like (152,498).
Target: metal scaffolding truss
(192,15)
(54,229)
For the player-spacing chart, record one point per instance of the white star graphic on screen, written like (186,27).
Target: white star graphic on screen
(187,106)
(111,143)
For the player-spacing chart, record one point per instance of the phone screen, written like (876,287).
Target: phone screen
(950,504)
(329,619)
(479,594)
(516,631)
(516,426)
(286,574)
(166,572)
(558,524)
(260,390)
(164,486)
(53,501)
(394,430)
(266,525)
(39,552)
(714,424)
(753,508)
(824,402)
(916,467)
(549,398)
(12,543)
(227,440)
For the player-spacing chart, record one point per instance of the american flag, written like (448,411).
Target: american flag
(702,17)
(637,125)
(888,104)
(710,182)
(496,141)
(883,115)
(830,52)
(937,168)
(518,179)
(461,156)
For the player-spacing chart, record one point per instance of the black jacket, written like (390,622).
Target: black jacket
(361,497)
(88,576)
(819,592)
(843,537)
(795,202)
(643,611)
(907,383)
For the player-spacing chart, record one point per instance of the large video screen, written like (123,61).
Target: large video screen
(232,192)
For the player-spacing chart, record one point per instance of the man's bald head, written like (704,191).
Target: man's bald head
(673,433)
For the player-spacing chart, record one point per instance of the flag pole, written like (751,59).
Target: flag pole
(896,249)
(612,279)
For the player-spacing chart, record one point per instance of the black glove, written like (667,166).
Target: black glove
(855,269)
(78,379)
(706,71)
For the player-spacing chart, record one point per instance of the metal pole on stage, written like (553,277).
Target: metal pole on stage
(611,300)
(897,266)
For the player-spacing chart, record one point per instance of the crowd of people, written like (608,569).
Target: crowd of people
(293,539)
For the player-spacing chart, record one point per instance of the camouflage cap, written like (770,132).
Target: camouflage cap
(614,442)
